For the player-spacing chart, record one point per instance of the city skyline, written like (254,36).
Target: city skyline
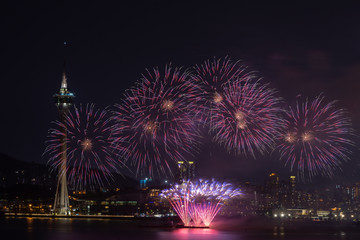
(289,69)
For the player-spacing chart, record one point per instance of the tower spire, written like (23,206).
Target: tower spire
(64,79)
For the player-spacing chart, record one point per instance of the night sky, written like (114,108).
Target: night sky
(299,48)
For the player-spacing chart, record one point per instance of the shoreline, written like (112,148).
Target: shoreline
(44,215)
(245,224)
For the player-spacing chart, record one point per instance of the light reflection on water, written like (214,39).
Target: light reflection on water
(29,224)
(196,234)
(105,229)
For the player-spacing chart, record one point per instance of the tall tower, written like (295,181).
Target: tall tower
(63,101)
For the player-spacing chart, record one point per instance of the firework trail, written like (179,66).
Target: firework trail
(200,200)
(316,139)
(211,77)
(153,125)
(248,119)
(195,215)
(208,197)
(179,198)
(90,161)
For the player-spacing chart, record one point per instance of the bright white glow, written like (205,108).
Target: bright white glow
(167,105)
(307,136)
(218,98)
(150,127)
(86,144)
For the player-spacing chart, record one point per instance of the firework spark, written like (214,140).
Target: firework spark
(249,118)
(211,78)
(154,126)
(179,198)
(90,161)
(316,139)
(200,200)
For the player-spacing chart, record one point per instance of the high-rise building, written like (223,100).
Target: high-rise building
(63,101)
(272,189)
(273,183)
(185,171)
(292,183)
(191,170)
(292,192)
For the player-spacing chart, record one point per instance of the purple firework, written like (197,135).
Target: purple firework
(154,126)
(90,160)
(211,78)
(248,119)
(198,202)
(316,139)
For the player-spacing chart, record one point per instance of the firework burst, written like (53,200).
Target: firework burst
(211,77)
(90,161)
(154,126)
(248,119)
(316,139)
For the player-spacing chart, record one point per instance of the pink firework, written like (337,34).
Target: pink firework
(90,161)
(248,119)
(316,139)
(208,197)
(179,198)
(154,127)
(211,77)
(198,202)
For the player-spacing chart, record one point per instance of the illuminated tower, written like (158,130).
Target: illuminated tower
(63,101)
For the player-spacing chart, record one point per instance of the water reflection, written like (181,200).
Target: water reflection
(95,229)
(278,231)
(29,223)
(196,234)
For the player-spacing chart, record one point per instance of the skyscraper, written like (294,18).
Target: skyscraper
(185,171)
(292,193)
(63,101)
(272,189)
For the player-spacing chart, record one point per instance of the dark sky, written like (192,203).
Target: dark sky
(300,48)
